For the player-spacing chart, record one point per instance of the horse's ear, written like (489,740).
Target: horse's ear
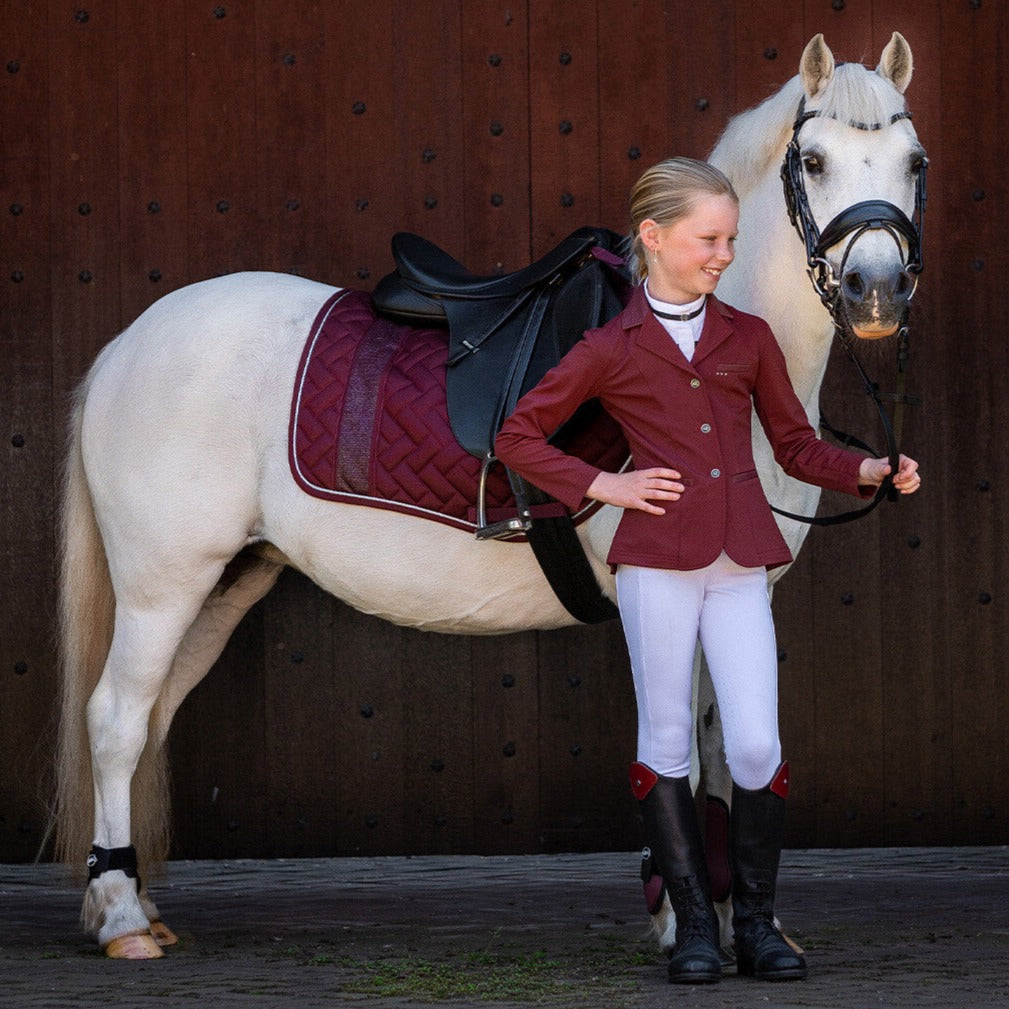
(896,64)
(816,67)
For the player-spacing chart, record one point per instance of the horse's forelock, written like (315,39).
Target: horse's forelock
(859,95)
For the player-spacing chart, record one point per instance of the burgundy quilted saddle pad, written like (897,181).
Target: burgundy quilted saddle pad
(369,423)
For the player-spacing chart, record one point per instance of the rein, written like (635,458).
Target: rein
(852,224)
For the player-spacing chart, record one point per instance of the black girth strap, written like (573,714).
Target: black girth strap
(560,554)
(103,860)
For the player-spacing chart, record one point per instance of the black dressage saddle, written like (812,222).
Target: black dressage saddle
(504,334)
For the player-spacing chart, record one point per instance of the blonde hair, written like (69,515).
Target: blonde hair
(666,193)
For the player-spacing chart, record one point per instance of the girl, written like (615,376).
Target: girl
(681,372)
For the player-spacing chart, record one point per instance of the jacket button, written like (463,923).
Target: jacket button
(716,473)
(695,383)
(705,429)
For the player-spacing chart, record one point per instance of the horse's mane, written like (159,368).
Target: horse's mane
(755,140)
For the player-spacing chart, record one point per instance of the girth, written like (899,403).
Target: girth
(504,334)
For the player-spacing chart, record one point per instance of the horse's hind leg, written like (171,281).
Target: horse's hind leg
(151,620)
(246,579)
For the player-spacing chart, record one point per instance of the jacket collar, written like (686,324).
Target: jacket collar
(652,337)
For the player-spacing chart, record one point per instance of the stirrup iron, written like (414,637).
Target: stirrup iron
(521,523)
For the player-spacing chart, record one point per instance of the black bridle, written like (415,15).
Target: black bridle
(851,224)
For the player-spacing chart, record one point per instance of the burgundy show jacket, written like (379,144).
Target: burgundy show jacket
(690,416)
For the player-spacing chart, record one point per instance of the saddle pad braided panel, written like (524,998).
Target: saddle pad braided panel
(369,422)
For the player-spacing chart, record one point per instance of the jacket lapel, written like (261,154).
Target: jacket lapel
(717,328)
(651,337)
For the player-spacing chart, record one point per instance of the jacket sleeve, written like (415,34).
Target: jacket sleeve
(522,443)
(797,449)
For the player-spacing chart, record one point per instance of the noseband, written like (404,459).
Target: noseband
(851,224)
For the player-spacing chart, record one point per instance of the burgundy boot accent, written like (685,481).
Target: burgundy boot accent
(756,830)
(673,862)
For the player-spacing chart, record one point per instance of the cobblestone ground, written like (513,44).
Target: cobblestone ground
(881,928)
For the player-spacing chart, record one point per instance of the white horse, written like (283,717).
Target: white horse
(179,510)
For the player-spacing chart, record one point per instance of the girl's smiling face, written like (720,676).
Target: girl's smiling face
(686,258)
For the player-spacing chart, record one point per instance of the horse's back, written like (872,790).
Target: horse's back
(182,406)
(204,342)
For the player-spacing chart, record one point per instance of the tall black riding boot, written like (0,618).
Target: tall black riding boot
(673,863)
(756,827)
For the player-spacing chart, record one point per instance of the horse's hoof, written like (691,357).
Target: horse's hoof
(137,946)
(163,935)
(795,946)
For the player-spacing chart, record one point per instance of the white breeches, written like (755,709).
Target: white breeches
(727,607)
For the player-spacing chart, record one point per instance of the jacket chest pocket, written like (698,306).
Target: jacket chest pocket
(736,375)
(726,369)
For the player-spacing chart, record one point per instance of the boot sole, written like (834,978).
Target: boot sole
(788,974)
(695,978)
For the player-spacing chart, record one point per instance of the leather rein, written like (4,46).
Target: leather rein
(852,223)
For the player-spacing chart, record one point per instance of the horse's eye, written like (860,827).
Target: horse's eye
(918,164)
(812,164)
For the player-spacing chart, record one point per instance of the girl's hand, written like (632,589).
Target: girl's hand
(637,489)
(873,471)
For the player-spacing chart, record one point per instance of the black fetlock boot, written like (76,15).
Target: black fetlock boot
(675,856)
(756,827)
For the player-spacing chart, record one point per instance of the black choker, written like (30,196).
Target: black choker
(680,318)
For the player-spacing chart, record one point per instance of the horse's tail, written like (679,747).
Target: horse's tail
(86,616)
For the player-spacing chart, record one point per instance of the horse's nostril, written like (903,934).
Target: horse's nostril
(854,286)
(905,285)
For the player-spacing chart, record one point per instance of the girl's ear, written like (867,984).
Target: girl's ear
(649,232)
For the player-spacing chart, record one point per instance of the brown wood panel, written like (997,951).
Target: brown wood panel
(369,668)
(292,63)
(636,101)
(153,177)
(324,128)
(216,748)
(973,367)
(430,142)
(506,744)
(495,109)
(362,174)
(438,743)
(587,738)
(300,740)
(766,44)
(32,430)
(700,82)
(563,121)
(83,154)
(224,213)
